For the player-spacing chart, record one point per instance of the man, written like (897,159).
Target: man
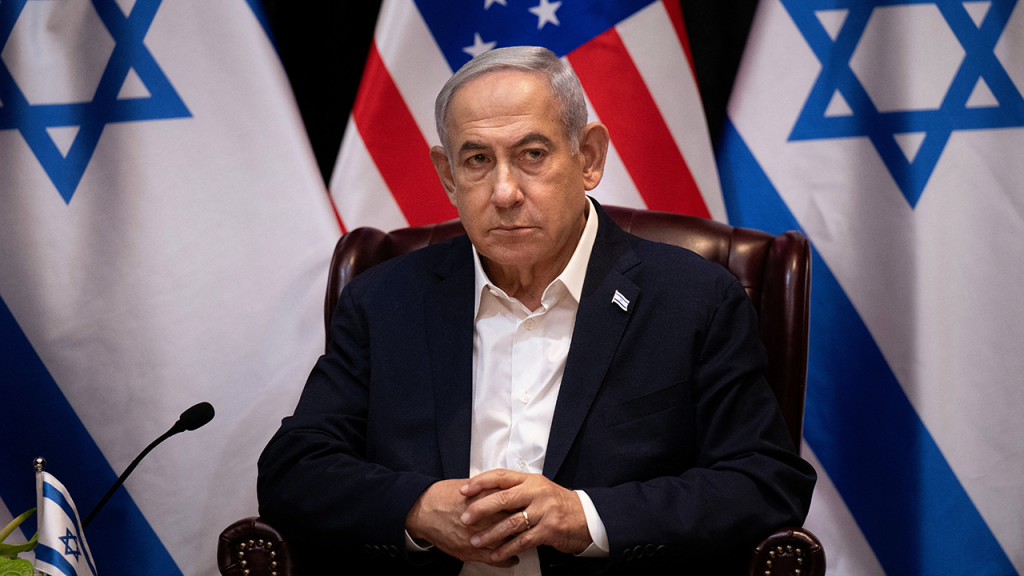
(546,394)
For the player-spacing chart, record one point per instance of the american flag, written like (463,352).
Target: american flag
(631,56)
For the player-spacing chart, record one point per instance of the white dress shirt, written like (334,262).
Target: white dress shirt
(518,359)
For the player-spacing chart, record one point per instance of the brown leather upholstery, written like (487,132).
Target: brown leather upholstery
(251,547)
(790,551)
(775,270)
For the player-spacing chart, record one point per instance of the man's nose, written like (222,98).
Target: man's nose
(507,191)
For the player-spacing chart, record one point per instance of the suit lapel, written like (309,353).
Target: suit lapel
(448,309)
(600,324)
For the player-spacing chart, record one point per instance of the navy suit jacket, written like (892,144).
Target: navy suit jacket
(663,417)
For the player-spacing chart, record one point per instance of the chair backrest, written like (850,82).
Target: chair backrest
(775,270)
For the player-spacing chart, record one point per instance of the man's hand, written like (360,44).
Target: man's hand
(554,515)
(435,517)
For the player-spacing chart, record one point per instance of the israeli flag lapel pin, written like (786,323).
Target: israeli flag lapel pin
(621,301)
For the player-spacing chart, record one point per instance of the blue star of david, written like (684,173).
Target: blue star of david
(980,62)
(32,120)
(71,547)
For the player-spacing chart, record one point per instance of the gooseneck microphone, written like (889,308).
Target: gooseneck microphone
(190,419)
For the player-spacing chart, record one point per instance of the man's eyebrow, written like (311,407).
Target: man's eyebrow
(470,146)
(533,138)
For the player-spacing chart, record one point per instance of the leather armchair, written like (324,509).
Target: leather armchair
(776,272)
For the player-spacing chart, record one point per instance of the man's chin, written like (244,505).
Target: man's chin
(512,252)
(499,244)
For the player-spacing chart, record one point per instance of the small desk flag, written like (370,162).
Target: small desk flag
(62,550)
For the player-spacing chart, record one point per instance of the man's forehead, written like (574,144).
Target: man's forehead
(500,89)
(517,102)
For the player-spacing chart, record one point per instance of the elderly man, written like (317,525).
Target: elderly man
(546,394)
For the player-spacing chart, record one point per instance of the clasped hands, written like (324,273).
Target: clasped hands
(481,519)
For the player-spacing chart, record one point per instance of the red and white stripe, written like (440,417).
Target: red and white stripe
(660,155)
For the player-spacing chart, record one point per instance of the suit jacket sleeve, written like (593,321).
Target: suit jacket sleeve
(315,482)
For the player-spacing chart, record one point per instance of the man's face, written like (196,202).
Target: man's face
(519,190)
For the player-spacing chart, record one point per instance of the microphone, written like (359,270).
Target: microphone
(195,417)
(190,419)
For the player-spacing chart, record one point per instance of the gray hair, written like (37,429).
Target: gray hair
(564,85)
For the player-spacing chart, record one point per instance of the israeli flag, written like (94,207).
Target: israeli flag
(165,236)
(891,133)
(620,300)
(62,549)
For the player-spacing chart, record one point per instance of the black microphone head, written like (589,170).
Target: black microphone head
(196,416)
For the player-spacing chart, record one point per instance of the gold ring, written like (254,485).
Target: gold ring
(526,519)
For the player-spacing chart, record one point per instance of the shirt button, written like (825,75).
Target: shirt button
(530,324)
(521,465)
(525,398)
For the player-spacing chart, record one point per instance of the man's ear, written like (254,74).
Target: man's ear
(444,171)
(594,149)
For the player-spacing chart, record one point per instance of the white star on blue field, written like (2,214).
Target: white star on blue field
(980,95)
(129,53)
(464,29)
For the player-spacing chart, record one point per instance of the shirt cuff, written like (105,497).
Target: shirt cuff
(412,546)
(599,547)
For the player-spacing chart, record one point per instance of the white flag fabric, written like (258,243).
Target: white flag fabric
(632,58)
(891,133)
(164,240)
(62,549)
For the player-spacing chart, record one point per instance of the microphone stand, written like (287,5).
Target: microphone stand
(124,475)
(190,419)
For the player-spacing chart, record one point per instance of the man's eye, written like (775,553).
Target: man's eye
(477,159)
(534,154)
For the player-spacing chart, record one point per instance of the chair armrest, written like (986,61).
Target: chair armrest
(252,547)
(788,552)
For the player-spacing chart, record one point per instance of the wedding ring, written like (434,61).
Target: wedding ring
(526,519)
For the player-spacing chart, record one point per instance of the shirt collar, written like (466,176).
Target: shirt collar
(572,275)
